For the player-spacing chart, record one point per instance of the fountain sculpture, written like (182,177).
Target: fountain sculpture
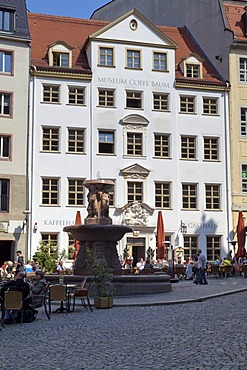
(101,236)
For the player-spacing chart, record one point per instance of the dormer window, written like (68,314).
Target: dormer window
(60,55)
(192,66)
(61,59)
(193,70)
(6,20)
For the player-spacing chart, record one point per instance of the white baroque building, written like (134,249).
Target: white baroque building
(136,104)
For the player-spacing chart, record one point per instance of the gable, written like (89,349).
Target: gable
(135,171)
(133,26)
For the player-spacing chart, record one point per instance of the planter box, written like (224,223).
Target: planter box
(103,302)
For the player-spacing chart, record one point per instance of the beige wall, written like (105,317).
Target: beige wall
(238,99)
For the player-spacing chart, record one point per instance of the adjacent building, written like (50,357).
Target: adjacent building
(137,104)
(14,82)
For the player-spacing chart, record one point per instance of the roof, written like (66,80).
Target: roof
(48,29)
(187,46)
(21,22)
(235,17)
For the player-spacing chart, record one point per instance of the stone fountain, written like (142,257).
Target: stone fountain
(101,236)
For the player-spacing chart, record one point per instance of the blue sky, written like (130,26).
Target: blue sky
(69,8)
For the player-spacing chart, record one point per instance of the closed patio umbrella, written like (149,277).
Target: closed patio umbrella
(160,237)
(241,233)
(76,242)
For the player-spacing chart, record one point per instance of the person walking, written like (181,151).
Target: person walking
(201,265)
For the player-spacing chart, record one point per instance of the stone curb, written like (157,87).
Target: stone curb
(181,301)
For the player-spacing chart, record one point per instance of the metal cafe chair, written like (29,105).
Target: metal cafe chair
(40,300)
(13,300)
(82,293)
(58,293)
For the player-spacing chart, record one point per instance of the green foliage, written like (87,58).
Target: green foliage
(71,252)
(125,252)
(47,256)
(150,254)
(102,277)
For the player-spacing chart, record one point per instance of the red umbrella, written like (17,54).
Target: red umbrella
(160,237)
(241,236)
(76,242)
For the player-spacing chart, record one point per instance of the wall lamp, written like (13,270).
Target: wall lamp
(183,228)
(218,57)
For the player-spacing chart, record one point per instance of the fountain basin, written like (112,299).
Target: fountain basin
(96,232)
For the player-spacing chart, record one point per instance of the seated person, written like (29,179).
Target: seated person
(28,267)
(38,288)
(18,284)
(226,262)
(229,256)
(140,265)
(148,265)
(60,266)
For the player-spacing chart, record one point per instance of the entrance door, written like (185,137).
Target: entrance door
(138,248)
(5,251)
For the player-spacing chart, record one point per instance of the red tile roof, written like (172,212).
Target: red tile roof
(48,29)
(234,14)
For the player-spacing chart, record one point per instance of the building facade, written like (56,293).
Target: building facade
(137,104)
(14,82)
(224,22)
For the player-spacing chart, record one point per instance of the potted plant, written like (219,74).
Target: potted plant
(102,282)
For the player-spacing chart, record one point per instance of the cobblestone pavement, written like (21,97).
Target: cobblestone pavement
(197,335)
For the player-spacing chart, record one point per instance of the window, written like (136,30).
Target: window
(193,70)
(160,102)
(6,20)
(213,247)
(244,178)
(243,127)
(4,194)
(106,98)
(162,146)
(211,149)
(134,143)
(60,59)
(187,104)
(210,106)
(51,241)
(50,188)
(133,59)
(162,195)
(5,62)
(50,139)
(106,57)
(135,192)
(5,104)
(75,141)
(243,69)
(188,147)
(160,61)
(190,246)
(75,192)
(51,93)
(4,146)
(133,99)
(112,196)
(76,95)
(106,142)
(189,195)
(212,196)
